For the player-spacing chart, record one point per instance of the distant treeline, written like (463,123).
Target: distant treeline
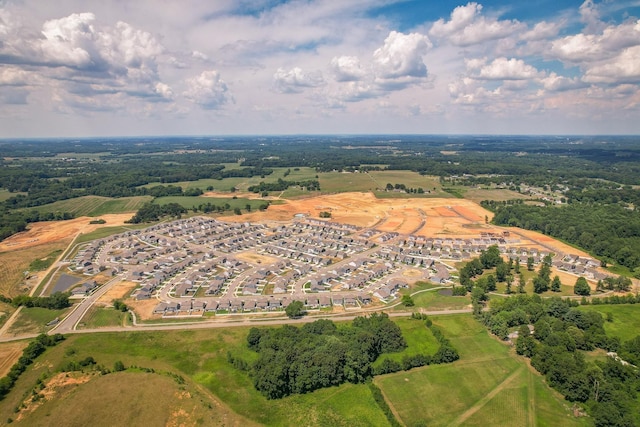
(609,231)
(281,185)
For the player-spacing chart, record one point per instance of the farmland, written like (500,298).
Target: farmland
(94,206)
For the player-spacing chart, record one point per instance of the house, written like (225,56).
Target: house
(160,308)
(84,289)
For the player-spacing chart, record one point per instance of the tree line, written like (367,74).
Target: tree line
(56,301)
(608,231)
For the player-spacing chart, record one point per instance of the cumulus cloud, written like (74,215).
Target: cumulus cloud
(85,57)
(295,80)
(164,90)
(590,16)
(556,83)
(507,69)
(208,90)
(594,47)
(401,56)
(467,27)
(347,68)
(543,31)
(624,68)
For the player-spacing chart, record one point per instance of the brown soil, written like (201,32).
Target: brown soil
(55,387)
(120,290)
(45,232)
(144,308)
(365,210)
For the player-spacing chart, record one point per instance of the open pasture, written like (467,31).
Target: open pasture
(489,385)
(419,339)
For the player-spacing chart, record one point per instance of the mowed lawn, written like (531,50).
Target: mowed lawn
(489,385)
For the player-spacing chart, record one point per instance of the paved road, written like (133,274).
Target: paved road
(69,323)
(229,322)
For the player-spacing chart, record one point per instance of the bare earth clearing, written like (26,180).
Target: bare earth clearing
(425,217)
(45,232)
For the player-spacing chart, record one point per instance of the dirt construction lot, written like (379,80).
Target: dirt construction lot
(50,231)
(427,217)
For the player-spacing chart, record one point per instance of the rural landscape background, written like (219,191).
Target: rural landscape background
(320,213)
(462,358)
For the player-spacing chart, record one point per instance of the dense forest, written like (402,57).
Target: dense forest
(299,360)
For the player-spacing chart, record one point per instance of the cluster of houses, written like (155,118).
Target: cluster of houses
(320,244)
(192,307)
(191,264)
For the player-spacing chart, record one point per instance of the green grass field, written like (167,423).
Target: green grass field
(5,194)
(419,339)
(489,385)
(626,319)
(94,205)
(99,317)
(434,300)
(200,357)
(34,320)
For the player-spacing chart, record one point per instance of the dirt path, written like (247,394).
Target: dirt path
(394,411)
(493,393)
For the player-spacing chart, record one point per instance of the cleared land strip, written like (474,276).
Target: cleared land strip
(478,405)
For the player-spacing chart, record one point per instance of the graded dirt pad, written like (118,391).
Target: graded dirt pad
(256,258)
(120,290)
(428,217)
(51,231)
(143,308)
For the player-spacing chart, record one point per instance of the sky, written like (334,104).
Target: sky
(85,68)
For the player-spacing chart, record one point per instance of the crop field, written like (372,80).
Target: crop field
(626,319)
(93,206)
(487,386)
(9,353)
